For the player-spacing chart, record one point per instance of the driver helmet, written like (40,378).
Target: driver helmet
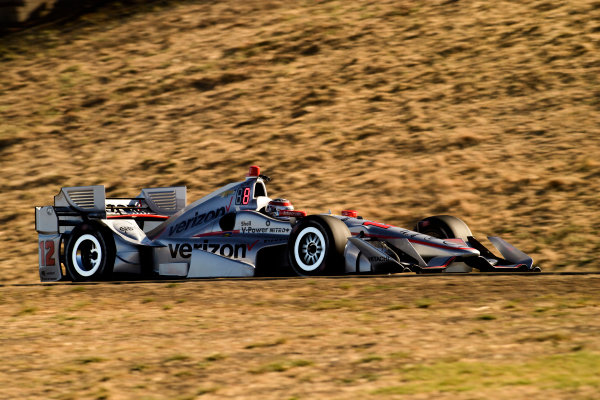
(277,205)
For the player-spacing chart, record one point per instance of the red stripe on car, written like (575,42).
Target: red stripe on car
(138,216)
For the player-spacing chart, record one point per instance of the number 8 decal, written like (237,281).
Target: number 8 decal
(246,198)
(242,196)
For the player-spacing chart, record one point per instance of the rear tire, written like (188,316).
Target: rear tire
(444,227)
(316,246)
(89,254)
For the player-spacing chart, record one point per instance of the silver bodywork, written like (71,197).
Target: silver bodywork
(186,241)
(227,234)
(375,247)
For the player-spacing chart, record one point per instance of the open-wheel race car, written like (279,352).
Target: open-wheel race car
(238,231)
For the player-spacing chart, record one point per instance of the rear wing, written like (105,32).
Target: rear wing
(84,199)
(91,202)
(165,201)
(73,205)
(70,205)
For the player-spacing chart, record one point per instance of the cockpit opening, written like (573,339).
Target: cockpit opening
(260,190)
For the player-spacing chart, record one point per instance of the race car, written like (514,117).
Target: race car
(238,231)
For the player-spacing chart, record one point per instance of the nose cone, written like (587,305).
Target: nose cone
(469,251)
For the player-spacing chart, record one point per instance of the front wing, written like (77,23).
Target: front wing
(363,255)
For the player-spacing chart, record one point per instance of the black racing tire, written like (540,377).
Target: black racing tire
(89,253)
(444,227)
(316,246)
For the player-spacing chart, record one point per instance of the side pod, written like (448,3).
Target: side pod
(207,265)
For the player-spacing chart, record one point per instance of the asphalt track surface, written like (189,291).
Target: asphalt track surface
(262,278)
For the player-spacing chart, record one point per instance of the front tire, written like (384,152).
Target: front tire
(316,246)
(89,254)
(444,227)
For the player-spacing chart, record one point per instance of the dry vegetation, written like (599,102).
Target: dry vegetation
(400,109)
(488,110)
(376,338)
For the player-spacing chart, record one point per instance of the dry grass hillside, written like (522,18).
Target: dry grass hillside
(404,337)
(400,109)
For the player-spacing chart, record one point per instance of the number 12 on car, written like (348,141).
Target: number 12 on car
(48,247)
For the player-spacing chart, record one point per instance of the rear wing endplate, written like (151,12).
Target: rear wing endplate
(165,201)
(85,199)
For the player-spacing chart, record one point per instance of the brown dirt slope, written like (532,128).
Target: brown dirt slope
(444,337)
(401,109)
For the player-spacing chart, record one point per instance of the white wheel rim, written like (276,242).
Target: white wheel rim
(86,260)
(309,249)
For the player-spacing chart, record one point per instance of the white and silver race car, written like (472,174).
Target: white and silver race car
(238,231)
